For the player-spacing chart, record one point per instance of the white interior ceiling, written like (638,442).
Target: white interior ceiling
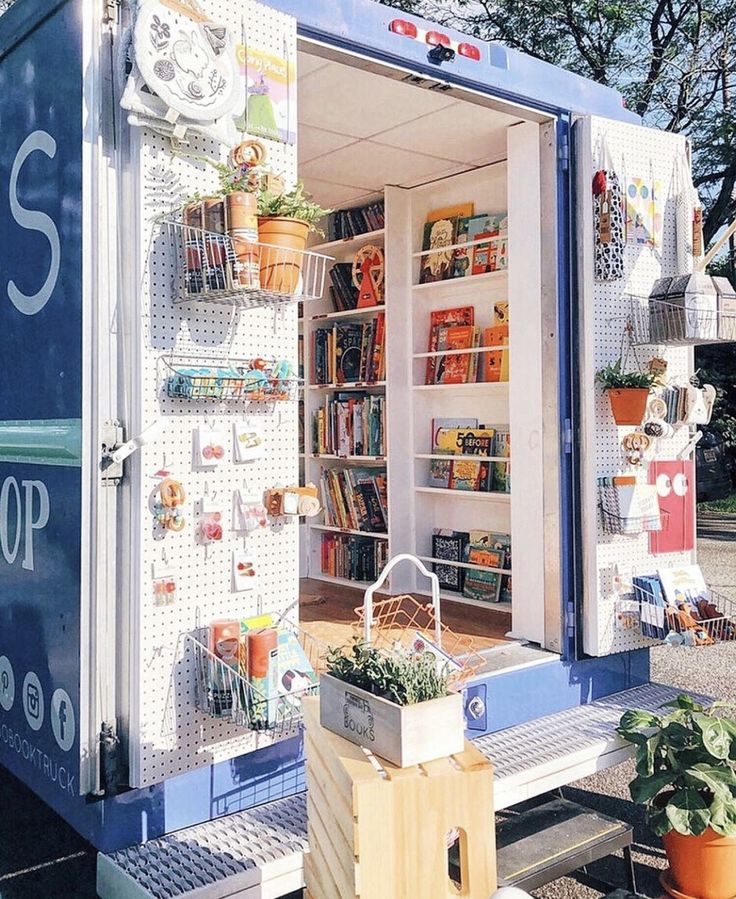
(359,131)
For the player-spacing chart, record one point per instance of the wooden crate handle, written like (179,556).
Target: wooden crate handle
(433,579)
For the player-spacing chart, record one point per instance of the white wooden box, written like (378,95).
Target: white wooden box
(403,735)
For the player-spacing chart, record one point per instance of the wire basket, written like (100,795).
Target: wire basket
(253,380)
(693,622)
(242,271)
(613,522)
(403,622)
(223,692)
(655,321)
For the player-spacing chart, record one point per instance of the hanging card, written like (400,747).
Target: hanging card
(675,485)
(209,446)
(249,440)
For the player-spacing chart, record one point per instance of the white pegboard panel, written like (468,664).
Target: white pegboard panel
(650,154)
(168,736)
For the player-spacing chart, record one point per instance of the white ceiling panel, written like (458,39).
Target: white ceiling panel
(353,102)
(462,132)
(313,142)
(306,64)
(374,165)
(335,196)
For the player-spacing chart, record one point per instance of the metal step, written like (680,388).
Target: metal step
(258,854)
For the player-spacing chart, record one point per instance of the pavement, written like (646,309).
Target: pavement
(41,857)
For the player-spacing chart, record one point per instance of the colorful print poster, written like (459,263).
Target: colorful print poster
(270,88)
(644,212)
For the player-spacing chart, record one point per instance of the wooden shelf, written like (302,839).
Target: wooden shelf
(358,460)
(347,243)
(376,535)
(479,241)
(365,312)
(474,280)
(490,497)
(350,385)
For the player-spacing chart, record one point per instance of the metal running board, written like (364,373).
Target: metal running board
(258,854)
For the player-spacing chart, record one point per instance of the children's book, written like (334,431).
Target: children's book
(502,470)
(441,424)
(456,368)
(483,585)
(448,545)
(684,583)
(439,473)
(436,266)
(501,312)
(466,441)
(496,362)
(467,474)
(496,541)
(295,671)
(440,318)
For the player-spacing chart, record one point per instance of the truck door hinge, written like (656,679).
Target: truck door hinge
(567,436)
(570,619)
(110,11)
(112,438)
(563,151)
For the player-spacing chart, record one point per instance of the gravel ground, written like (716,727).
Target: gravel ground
(60,865)
(710,670)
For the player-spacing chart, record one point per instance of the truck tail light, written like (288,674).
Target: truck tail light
(401,26)
(436,37)
(470,51)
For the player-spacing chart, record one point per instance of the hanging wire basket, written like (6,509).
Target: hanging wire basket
(703,621)
(614,522)
(653,321)
(225,693)
(241,271)
(252,380)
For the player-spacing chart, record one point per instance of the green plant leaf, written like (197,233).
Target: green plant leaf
(658,821)
(680,737)
(644,789)
(688,813)
(645,755)
(636,720)
(683,701)
(718,780)
(716,738)
(723,816)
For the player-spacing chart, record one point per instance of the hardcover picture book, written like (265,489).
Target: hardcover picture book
(483,585)
(448,545)
(442,318)
(439,424)
(502,470)
(457,368)
(467,474)
(437,264)
(496,362)
(495,541)
(466,441)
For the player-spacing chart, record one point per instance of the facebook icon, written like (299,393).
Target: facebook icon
(62,719)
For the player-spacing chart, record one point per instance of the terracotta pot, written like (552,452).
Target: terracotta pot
(628,404)
(281,260)
(242,212)
(701,867)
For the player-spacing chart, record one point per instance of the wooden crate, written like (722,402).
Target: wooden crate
(403,735)
(380,832)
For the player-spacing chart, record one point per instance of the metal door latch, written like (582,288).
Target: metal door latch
(111,470)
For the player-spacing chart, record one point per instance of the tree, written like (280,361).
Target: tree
(674,61)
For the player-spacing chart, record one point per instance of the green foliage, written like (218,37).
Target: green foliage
(717,366)
(685,767)
(403,679)
(613,377)
(295,204)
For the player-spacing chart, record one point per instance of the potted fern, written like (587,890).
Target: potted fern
(284,223)
(686,781)
(627,392)
(398,704)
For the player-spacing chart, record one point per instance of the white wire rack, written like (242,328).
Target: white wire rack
(692,621)
(692,323)
(239,271)
(253,380)
(614,522)
(225,693)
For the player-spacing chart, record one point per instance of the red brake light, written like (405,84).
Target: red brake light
(401,26)
(469,50)
(435,37)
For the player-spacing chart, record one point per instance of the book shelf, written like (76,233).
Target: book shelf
(322,314)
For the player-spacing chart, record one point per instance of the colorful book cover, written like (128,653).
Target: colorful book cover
(439,424)
(461,255)
(454,368)
(439,473)
(462,315)
(466,441)
(483,585)
(467,474)
(436,266)
(497,541)
(485,226)
(501,312)
(683,584)
(270,107)
(348,340)
(502,470)
(296,674)
(496,362)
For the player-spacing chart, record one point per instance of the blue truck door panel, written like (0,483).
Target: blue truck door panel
(41,403)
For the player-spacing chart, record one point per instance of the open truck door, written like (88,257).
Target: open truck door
(648,236)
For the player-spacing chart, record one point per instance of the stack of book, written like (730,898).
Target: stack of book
(465,437)
(484,548)
(478,243)
(452,330)
(349,353)
(346,223)
(343,293)
(355,499)
(352,557)
(350,424)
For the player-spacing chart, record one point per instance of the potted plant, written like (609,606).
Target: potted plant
(284,223)
(627,392)
(686,780)
(399,704)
